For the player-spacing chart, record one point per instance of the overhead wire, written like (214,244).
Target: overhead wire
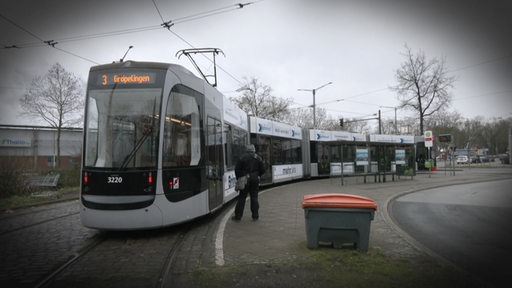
(484,62)
(168,24)
(354,96)
(50,43)
(195,16)
(76,55)
(209,13)
(20,27)
(158,10)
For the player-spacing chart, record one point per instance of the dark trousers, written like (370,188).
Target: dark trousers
(252,190)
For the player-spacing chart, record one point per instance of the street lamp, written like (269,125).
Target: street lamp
(314,103)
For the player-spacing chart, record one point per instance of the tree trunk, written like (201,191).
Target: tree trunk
(58,148)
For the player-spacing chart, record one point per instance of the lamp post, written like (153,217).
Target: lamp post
(314,103)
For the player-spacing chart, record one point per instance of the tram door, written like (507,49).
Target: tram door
(214,163)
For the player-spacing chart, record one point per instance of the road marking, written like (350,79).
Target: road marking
(219,239)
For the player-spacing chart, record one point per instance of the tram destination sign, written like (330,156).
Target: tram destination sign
(131,78)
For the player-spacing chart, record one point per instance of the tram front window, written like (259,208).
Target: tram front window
(122,128)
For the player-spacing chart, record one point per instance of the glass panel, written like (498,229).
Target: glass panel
(324,160)
(228,145)
(214,146)
(291,151)
(236,140)
(349,153)
(335,153)
(262,144)
(277,151)
(296,151)
(182,131)
(122,128)
(240,140)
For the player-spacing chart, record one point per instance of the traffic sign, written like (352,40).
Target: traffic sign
(429,138)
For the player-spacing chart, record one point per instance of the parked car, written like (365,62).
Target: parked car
(462,159)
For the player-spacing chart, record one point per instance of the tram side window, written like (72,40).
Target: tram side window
(240,140)
(91,147)
(228,145)
(236,140)
(292,151)
(277,151)
(182,131)
(323,158)
(313,146)
(262,144)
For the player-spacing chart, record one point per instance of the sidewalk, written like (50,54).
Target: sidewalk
(279,236)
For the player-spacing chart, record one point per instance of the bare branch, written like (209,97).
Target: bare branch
(257,100)
(56,98)
(423,85)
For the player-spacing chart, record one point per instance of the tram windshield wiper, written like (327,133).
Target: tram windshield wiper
(138,144)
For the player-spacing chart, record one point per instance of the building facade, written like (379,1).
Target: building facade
(35,147)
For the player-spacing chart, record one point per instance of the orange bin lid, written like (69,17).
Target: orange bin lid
(336,200)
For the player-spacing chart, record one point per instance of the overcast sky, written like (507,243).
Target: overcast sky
(285,44)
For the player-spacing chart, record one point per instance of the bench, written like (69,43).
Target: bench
(48,180)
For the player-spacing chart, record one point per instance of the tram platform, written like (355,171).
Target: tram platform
(280,232)
(279,236)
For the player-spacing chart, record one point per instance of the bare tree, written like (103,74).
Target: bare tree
(55,97)
(257,100)
(357,126)
(423,85)
(303,117)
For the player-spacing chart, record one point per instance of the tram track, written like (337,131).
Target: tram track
(45,281)
(49,247)
(122,259)
(171,256)
(30,218)
(36,223)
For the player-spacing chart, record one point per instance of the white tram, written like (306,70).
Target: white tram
(160,146)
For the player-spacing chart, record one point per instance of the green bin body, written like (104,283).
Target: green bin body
(338,220)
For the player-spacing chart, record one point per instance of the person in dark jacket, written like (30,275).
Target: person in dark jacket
(249,164)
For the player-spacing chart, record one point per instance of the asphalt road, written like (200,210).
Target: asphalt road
(468,225)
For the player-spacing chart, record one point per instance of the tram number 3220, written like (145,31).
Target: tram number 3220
(114,180)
